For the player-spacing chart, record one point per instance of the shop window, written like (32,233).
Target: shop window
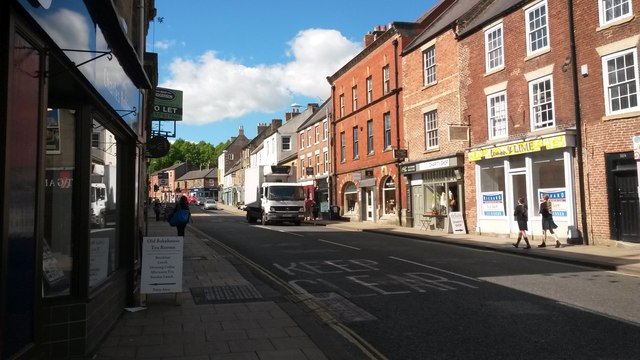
(350,194)
(389,196)
(492,176)
(57,259)
(103,213)
(548,173)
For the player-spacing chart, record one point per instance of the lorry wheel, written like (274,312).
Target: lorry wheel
(251,219)
(264,219)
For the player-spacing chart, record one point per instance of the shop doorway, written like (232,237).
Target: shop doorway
(623,197)
(368,208)
(518,190)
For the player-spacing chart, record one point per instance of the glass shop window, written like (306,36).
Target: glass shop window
(389,196)
(57,259)
(548,172)
(103,209)
(492,176)
(350,199)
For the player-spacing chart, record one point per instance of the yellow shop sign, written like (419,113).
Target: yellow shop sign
(555,142)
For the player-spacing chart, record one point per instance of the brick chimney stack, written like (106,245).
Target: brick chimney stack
(370,37)
(241,131)
(262,127)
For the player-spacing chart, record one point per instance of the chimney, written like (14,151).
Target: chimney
(276,123)
(262,127)
(241,131)
(368,39)
(313,106)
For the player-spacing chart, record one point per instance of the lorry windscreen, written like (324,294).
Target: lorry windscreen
(285,193)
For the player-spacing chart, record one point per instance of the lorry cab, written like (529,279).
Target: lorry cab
(98,205)
(278,202)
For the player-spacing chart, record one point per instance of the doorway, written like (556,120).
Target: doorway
(518,190)
(624,216)
(368,194)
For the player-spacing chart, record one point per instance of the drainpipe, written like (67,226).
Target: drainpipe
(332,146)
(576,107)
(397,95)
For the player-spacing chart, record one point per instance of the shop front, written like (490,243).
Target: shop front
(528,169)
(76,114)
(436,189)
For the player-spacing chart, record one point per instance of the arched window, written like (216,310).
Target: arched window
(389,196)
(350,195)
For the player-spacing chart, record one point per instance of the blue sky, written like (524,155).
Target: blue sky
(240,63)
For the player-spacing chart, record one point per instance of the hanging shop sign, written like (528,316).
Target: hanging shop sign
(167,105)
(158,146)
(554,142)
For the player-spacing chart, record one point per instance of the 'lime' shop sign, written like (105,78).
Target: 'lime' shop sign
(554,142)
(167,104)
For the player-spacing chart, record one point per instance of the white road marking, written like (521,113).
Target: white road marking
(334,243)
(435,268)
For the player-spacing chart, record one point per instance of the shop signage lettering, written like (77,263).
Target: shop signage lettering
(555,142)
(161,265)
(435,164)
(493,203)
(167,105)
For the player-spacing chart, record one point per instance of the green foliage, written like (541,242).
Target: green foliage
(199,155)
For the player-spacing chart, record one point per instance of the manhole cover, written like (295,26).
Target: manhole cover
(224,293)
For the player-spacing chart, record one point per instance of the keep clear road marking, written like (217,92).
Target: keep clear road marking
(435,268)
(334,243)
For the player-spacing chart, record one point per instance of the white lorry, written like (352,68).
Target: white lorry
(98,205)
(277,202)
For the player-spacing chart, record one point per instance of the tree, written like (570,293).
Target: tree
(198,155)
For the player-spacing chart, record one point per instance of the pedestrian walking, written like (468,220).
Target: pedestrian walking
(522,217)
(546,210)
(157,208)
(183,215)
(308,205)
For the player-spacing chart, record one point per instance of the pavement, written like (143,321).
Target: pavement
(220,314)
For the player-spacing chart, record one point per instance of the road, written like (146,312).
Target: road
(413,299)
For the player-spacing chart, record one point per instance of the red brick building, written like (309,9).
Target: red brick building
(517,96)
(367,127)
(435,135)
(607,39)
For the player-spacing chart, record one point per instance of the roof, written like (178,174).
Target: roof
(235,167)
(172,167)
(200,174)
(446,20)
(320,115)
(485,12)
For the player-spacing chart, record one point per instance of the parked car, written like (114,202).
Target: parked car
(199,201)
(192,199)
(210,204)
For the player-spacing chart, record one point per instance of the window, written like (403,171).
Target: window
(541,103)
(497,114)
(229,156)
(341,105)
(431,129)
(286,143)
(547,171)
(318,163)
(325,131)
(316,129)
(429,61)
(370,137)
(493,48)
(385,80)
(326,161)
(387,131)
(343,149)
(354,96)
(620,73)
(537,28)
(308,137)
(355,142)
(302,139)
(613,10)
(350,194)
(95,140)
(389,196)
(369,90)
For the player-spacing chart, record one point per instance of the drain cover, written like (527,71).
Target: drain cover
(224,293)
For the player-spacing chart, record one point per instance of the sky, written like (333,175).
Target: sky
(240,63)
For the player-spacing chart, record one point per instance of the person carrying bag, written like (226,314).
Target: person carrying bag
(181,215)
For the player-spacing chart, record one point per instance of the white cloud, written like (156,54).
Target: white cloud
(216,89)
(164,44)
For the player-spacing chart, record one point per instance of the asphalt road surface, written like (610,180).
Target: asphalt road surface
(414,299)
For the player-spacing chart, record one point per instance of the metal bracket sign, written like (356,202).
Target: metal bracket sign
(161,265)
